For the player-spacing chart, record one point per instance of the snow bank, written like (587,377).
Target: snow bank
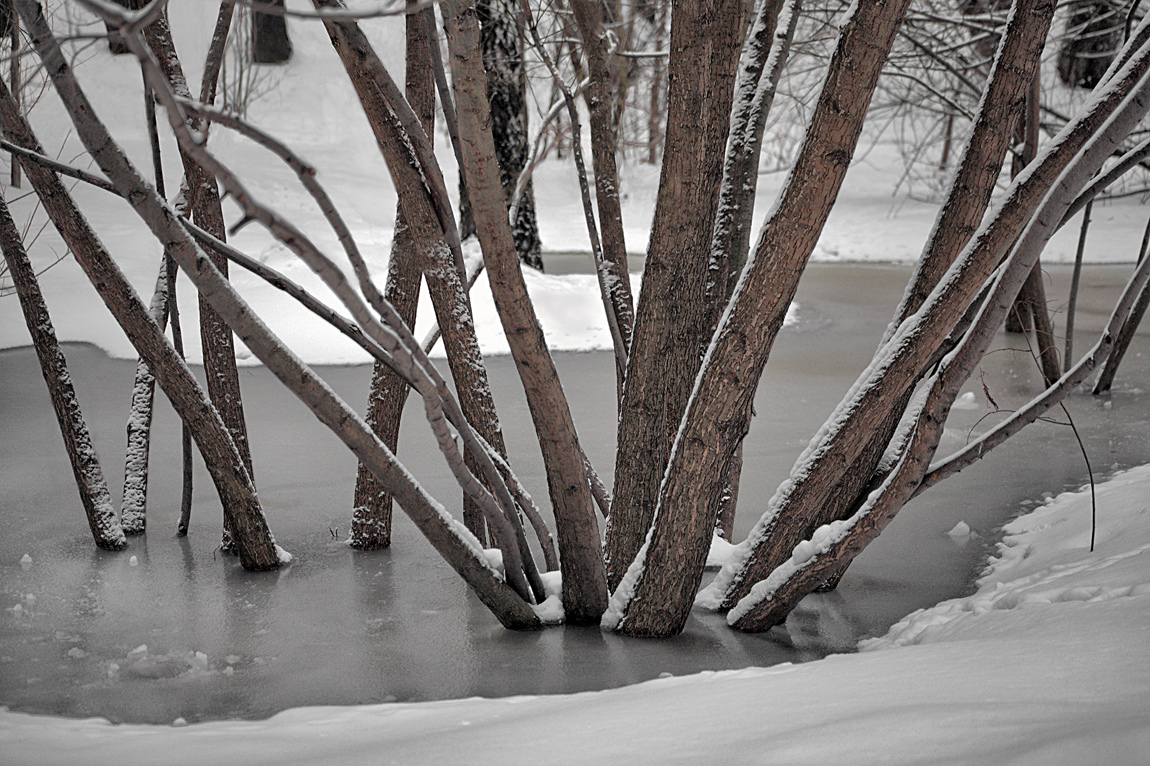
(1047,663)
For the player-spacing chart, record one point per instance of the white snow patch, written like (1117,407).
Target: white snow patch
(550,612)
(965,402)
(720,552)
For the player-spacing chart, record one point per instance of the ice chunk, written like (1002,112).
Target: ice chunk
(961,529)
(25,561)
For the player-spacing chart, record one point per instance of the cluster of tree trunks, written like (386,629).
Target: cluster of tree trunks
(690,354)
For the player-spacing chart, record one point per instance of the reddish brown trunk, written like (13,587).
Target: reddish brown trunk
(584,586)
(671,320)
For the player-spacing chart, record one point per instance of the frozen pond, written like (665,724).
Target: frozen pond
(339,627)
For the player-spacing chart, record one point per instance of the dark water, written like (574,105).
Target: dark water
(339,627)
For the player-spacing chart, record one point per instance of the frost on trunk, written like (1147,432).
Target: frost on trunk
(912,347)
(371,513)
(506,93)
(584,586)
(768,602)
(216,339)
(717,414)
(90,482)
(958,217)
(601,102)
(237,494)
(760,67)
(671,329)
(134,505)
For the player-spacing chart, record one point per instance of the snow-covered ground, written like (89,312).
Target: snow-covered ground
(1046,664)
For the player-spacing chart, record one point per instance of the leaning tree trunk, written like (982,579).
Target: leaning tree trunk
(216,338)
(670,324)
(1127,329)
(584,585)
(661,582)
(242,510)
(903,359)
(601,102)
(428,217)
(770,601)
(1004,101)
(94,495)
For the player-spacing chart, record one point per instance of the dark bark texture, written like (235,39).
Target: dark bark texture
(90,481)
(371,515)
(270,41)
(671,329)
(584,586)
(237,493)
(502,47)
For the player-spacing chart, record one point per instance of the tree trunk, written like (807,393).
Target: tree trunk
(237,494)
(671,320)
(601,100)
(371,517)
(1128,328)
(958,218)
(769,603)
(902,360)
(502,47)
(1030,305)
(270,41)
(134,505)
(584,586)
(90,482)
(671,563)
(217,342)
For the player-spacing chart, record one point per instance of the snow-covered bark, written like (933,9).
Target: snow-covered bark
(216,339)
(1004,99)
(717,414)
(90,482)
(241,506)
(139,429)
(371,505)
(769,601)
(584,586)
(601,104)
(760,66)
(671,328)
(833,450)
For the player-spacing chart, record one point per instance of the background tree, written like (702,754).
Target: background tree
(501,42)
(270,41)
